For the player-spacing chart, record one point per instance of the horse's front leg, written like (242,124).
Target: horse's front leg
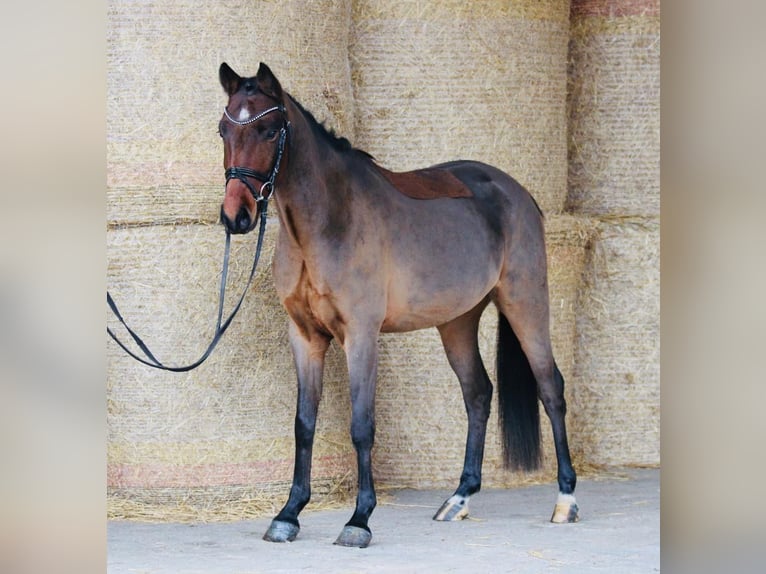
(362,359)
(309,352)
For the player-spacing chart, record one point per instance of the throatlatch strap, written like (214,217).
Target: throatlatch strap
(220,328)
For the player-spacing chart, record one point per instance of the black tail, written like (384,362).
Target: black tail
(519,413)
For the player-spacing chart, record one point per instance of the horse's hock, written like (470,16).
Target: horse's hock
(413,83)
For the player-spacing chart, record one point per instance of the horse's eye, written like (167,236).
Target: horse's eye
(271,134)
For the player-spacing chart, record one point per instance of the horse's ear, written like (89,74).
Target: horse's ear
(230,80)
(268,83)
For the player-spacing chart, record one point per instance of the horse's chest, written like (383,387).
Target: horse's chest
(313,309)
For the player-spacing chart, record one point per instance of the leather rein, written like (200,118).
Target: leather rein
(261,196)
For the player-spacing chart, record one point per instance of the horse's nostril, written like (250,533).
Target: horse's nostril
(243,221)
(239,224)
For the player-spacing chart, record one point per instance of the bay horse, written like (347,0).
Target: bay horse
(363,250)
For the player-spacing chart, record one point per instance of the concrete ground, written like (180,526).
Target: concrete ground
(507,531)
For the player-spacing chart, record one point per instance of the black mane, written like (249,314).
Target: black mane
(338,143)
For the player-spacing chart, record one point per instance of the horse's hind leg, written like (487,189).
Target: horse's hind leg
(566,509)
(528,318)
(460,339)
(309,352)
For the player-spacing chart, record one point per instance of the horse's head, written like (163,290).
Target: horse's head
(254,130)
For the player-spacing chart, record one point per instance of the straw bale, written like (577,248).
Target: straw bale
(616,409)
(615,8)
(164,99)
(421,420)
(216,443)
(614,108)
(216,440)
(445,79)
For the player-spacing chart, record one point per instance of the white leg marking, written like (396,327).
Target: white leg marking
(566,509)
(458,500)
(455,508)
(566,499)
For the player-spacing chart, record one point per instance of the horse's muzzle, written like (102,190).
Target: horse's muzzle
(242,223)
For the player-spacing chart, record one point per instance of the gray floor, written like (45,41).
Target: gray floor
(507,531)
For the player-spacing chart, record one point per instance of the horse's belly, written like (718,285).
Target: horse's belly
(419,308)
(408,321)
(443,261)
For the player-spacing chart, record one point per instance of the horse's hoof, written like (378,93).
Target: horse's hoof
(354,537)
(566,510)
(281,531)
(455,508)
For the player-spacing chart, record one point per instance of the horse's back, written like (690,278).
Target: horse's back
(490,183)
(504,202)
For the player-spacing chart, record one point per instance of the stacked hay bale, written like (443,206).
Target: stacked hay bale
(215,442)
(614,99)
(616,406)
(164,99)
(421,420)
(442,80)
(414,83)
(614,85)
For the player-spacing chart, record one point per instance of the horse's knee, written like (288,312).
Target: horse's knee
(478,400)
(362,433)
(305,426)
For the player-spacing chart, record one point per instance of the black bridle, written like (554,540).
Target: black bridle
(262,197)
(243,173)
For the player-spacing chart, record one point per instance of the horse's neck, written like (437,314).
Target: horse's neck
(306,201)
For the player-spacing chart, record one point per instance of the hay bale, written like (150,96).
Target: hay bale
(164,100)
(217,441)
(445,79)
(421,420)
(614,108)
(616,408)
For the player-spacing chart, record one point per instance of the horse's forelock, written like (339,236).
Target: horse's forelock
(250,86)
